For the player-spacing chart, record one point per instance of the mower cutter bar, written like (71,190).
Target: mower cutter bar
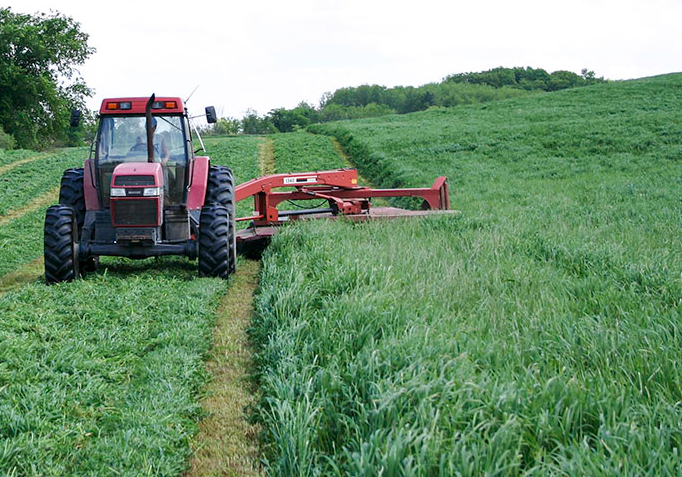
(339,188)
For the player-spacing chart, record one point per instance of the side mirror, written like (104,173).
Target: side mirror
(75,118)
(211,117)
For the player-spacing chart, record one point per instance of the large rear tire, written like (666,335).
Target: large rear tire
(61,244)
(215,256)
(220,190)
(220,186)
(71,194)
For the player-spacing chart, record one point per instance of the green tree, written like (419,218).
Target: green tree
(226,126)
(307,110)
(39,83)
(253,124)
(287,120)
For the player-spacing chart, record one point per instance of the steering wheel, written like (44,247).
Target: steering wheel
(141,147)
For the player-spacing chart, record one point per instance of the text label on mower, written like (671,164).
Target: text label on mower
(300,180)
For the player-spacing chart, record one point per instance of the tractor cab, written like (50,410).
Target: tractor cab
(122,139)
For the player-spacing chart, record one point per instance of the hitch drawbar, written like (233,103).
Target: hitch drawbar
(341,191)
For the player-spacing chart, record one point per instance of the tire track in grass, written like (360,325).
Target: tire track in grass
(12,165)
(44,200)
(266,156)
(33,270)
(20,277)
(227,443)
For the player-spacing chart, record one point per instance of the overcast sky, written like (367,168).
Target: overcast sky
(265,54)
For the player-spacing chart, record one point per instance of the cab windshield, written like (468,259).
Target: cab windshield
(124,139)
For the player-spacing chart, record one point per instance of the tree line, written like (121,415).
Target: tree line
(40,85)
(374,100)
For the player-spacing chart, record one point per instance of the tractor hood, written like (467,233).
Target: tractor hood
(148,174)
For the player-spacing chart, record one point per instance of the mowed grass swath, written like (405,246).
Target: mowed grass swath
(102,375)
(539,333)
(21,239)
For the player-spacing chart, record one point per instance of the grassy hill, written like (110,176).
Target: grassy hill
(539,333)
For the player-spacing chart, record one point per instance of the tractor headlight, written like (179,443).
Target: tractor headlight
(151,192)
(118,192)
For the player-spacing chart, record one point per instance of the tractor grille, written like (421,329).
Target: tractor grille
(135,212)
(134,181)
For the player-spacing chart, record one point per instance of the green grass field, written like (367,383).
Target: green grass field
(101,376)
(539,333)
(21,240)
(241,155)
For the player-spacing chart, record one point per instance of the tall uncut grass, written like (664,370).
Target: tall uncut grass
(537,334)
(303,152)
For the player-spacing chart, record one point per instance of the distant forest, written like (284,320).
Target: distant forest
(373,100)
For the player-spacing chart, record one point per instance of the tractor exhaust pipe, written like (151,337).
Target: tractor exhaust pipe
(150,130)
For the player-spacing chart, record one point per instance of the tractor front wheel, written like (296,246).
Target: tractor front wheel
(215,240)
(61,244)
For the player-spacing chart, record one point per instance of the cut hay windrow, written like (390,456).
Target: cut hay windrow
(11,159)
(40,202)
(21,241)
(20,185)
(103,373)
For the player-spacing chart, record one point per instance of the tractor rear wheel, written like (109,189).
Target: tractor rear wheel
(220,190)
(220,186)
(71,194)
(215,255)
(61,244)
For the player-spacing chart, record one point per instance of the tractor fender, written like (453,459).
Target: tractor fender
(198,182)
(89,187)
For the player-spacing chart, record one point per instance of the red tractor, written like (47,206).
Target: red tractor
(142,193)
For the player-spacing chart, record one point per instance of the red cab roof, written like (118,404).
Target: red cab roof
(161,105)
